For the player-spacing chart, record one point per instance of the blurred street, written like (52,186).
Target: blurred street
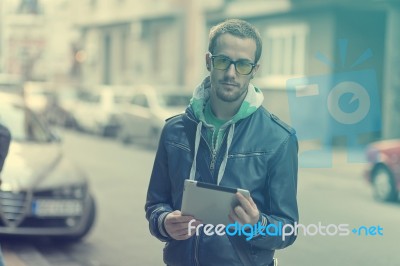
(119,177)
(117,69)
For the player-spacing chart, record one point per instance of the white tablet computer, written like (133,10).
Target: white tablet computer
(208,202)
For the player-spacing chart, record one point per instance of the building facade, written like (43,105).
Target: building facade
(35,39)
(163,42)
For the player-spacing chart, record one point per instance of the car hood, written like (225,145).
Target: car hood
(386,145)
(28,163)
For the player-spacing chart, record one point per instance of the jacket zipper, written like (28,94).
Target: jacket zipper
(213,151)
(213,159)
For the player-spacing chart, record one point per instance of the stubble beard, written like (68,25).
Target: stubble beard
(229,96)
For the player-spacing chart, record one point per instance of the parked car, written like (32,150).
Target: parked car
(42,98)
(383,171)
(42,192)
(38,96)
(144,115)
(98,109)
(67,100)
(11,83)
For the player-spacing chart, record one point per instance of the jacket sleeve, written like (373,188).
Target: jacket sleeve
(5,138)
(158,201)
(282,211)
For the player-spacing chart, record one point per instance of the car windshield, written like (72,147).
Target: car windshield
(23,124)
(10,84)
(118,99)
(174,100)
(41,93)
(67,95)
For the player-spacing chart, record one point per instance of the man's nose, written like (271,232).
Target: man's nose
(231,70)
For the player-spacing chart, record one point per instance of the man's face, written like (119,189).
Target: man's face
(228,85)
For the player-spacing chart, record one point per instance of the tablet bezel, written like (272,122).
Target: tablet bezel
(209,203)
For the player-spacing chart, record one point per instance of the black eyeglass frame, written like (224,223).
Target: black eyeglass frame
(253,65)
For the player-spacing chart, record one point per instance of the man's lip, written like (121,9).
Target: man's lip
(229,84)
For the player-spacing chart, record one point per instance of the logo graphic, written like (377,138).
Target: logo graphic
(284,230)
(342,104)
(358,93)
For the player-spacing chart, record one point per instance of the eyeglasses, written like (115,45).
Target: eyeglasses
(242,66)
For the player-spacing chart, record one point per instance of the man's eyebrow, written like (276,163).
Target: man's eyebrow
(240,59)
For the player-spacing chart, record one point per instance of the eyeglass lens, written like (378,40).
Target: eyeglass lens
(222,63)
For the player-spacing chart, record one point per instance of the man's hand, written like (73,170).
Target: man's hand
(246,212)
(177,225)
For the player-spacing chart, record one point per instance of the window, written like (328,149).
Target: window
(89,97)
(284,54)
(124,50)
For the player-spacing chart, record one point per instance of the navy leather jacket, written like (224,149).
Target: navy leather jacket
(262,158)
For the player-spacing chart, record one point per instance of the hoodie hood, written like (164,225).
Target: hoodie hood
(201,95)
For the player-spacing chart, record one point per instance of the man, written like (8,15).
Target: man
(226,138)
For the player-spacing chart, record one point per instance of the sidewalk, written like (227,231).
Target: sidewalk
(25,255)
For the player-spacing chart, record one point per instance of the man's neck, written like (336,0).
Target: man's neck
(224,110)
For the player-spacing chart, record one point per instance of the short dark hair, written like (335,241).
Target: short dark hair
(238,28)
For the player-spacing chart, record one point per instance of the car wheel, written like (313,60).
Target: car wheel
(123,136)
(384,185)
(88,226)
(100,131)
(70,122)
(79,127)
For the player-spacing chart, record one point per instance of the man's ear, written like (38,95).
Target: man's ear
(208,62)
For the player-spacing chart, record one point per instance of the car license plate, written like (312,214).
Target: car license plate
(47,207)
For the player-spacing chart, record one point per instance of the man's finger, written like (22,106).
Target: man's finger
(177,228)
(244,202)
(248,205)
(242,214)
(183,234)
(234,217)
(177,217)
(252,202)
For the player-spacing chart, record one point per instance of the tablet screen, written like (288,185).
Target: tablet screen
(209,203)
